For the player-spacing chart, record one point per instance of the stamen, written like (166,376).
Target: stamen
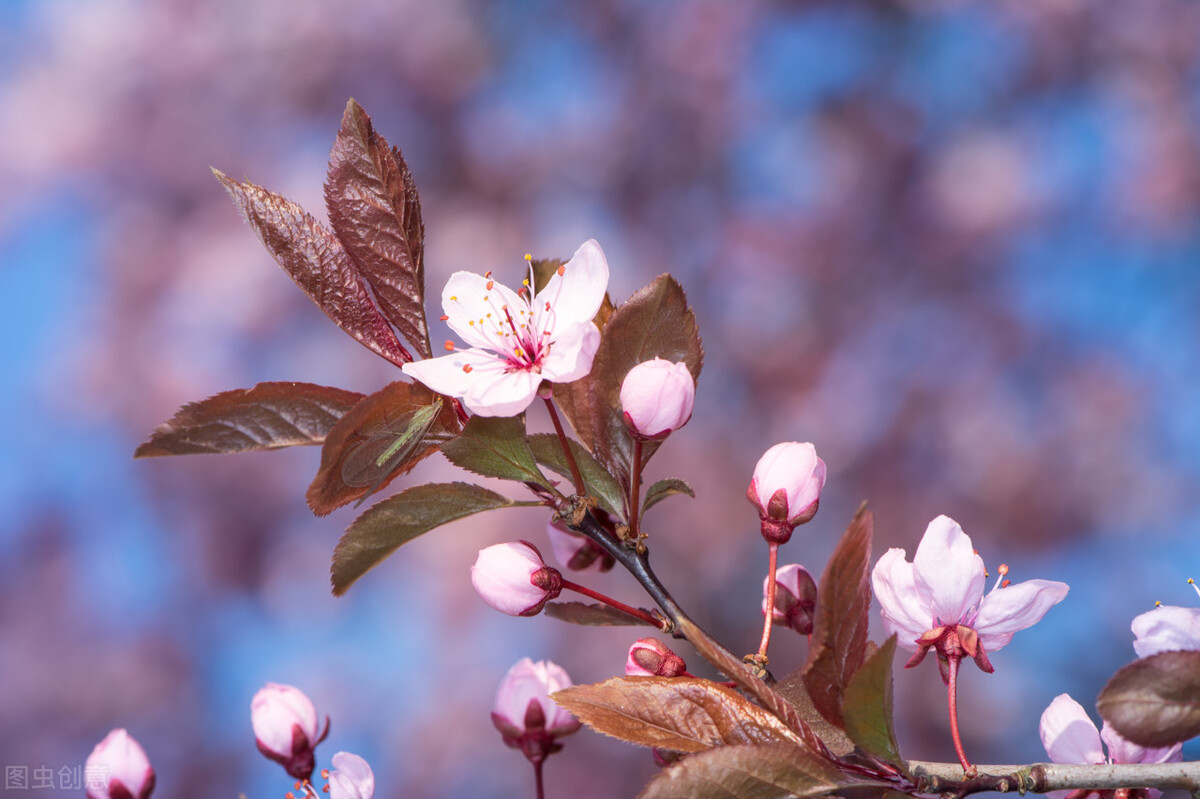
(1001,573)
(324,773)
(491,284)
(1192,583)
(529,257)
(449,345)
(454,298)
(1006,584)
(467,368)
(1158,603)
(488,274)
(445,318)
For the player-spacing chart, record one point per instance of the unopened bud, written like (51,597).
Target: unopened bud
(286,728)
(351,778)
(786,488)
(514,579)
(657,397)
(577,552)
(525,715)
(795,598)
(121,763)
(649,657)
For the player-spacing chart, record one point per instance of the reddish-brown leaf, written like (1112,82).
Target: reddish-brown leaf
(792,689)
(268,416)
(371,415)
(1155,701)
(679,713)
(655,322)
(375,211)
(318,263)
(590,615)
(840,626)
(766,771)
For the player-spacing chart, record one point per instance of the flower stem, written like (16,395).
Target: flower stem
(612,603)
(769,615)
(576,477)
(635,488)
(537,777)
(952,696)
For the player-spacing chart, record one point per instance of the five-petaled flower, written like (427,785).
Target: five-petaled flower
(517,341)
(1071,737)
(938,600)
(1167,628)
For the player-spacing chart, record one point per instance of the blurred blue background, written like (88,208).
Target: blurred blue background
(955,244)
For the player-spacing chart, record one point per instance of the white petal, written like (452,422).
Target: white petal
(1123,751)
(904,613)
(1068,734)
(576,295)
(447,374)
(571,353)
(1166,629)
(477,313)
(948,573)
(498,392)
(1007,610)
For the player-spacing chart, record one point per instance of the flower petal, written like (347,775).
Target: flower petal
(495,391)
(1121,750)
(477,313)
(1166,628)
(1004,611)
(904,612)
(571,353)
(576,295)
(449,375)
(949,575)
(1068,734)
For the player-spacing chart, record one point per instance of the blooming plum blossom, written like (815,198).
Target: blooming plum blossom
(513,578)
(525,715)
(1167,628)
(516,342)
(1071,737)
(786,488)
(649,657)
(941,595)
(351,778)
(657,397)
(286,728)
(123,764)
(795,598)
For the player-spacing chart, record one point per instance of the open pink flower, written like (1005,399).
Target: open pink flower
(1071,737)
(516,342)
(1167,628)
(941,593)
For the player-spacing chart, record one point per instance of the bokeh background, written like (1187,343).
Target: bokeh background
(955,244)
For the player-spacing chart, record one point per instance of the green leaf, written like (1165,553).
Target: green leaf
(375,212)
(268,416)
(680,713)
(319,264)
(495,446)
(547,450)
(663,489)
(388,524)
(350,469)
(842,619)
(590,615)
(655,322)
(1155,701)
(769,771)
(867,706)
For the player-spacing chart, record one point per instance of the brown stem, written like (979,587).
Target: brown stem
(576,477)
(947,778)
(612,603)
(769,615)
(952,696)
(635,488)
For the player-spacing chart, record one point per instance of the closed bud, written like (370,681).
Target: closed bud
(286,728)
(120,767)
(795,598)
(657,397)
(525,715)
(351,778)
(786,488)
(577,552)
(649,657)
(514,579)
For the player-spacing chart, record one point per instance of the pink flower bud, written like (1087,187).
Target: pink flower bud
(786,488)
(795,598)
(657,397)
(122,764)
(351,778)
(525,715)
(514,579)
(577,552)
(649,657)
(286,728)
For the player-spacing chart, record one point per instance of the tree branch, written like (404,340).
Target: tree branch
(947,778)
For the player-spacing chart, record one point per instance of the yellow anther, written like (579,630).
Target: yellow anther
(529,257)
(449,345)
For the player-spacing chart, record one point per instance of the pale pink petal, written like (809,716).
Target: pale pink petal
(495,391)
(949,575)
(1068,734)
(904,613)
(1004,611)
(527,681)
(477,313)
(1165,629)
(576,295)
(571,353)
(1122,751)
(449,375)
(352,777)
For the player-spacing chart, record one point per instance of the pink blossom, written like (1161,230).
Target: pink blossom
(525,714)
(514,579)
(657,397)
(1071,737)
(786,488)
(1167,628)
(351,777)
(286,728)
(941,593)
(516,343)
(649,657)
(577,552)
(122,763)
(795,598)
